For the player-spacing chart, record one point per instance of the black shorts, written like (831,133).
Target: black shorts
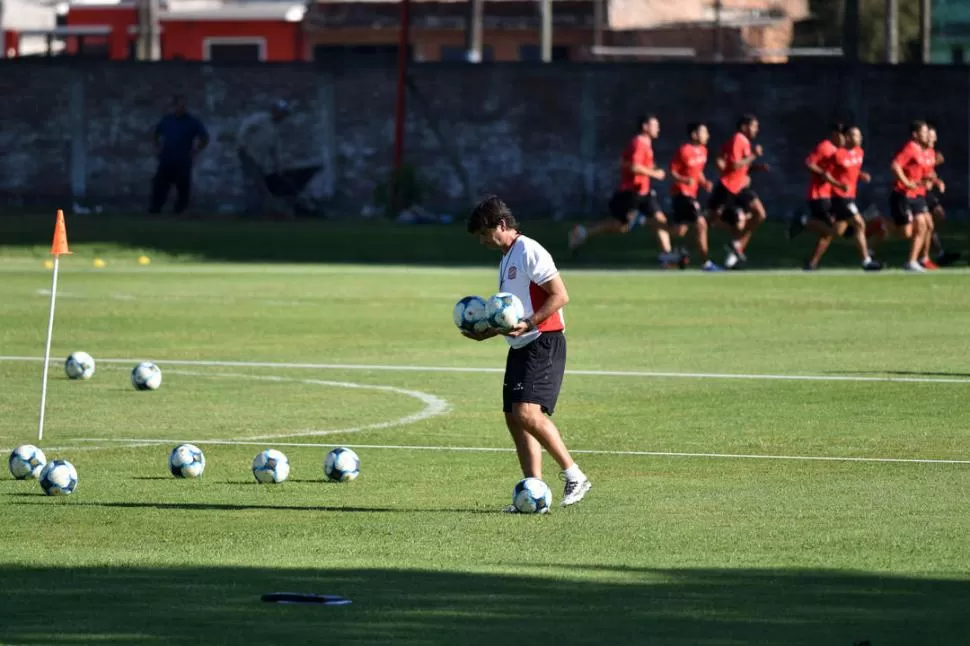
(900,209)
(844,208)
(745,199)
(533,373)
(820,209)
(918,205)
(687,210)
(623,203)
(932,200)
(721,198)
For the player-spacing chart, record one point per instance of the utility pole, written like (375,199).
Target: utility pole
(149,31)
(718,53)
(546,11)
(925,31)
(892,31)
(473,31)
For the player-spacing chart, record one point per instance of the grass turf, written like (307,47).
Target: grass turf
(665,550)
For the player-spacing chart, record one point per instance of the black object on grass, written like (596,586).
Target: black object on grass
(305,598)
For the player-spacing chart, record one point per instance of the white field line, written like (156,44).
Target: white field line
(433,405)
(587,373)
(311,269)
(485,449)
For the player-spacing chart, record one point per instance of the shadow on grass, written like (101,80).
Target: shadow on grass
(195,506)
(221,605)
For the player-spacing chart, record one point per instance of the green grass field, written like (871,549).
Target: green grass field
(696,549)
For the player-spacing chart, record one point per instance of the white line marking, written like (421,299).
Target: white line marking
(485,449)
(588,373)
(433,405)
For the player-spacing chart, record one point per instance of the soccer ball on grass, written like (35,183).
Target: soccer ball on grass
(59,478)
(532,496)
(271,466)
(341,465)
(26,462)
(186,461)
(79,365)
(146,376)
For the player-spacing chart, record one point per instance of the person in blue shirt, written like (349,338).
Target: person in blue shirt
(179,138)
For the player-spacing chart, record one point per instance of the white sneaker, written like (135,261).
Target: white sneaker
(913,266)
(574,491)
(731,260)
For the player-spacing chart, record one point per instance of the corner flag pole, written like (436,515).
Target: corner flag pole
(58,247)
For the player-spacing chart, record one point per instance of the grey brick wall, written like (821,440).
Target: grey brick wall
(545,137)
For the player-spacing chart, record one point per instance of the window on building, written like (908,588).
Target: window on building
(958,54)
(359,52)
(533,53)
(459,54)
(235,51)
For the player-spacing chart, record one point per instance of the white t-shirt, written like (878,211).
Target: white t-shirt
(524,267)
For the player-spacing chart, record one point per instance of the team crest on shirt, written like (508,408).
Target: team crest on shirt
(512,272)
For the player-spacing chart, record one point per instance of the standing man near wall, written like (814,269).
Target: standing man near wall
(259,153)
(179,138)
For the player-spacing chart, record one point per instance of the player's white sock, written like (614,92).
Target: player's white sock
(731,260)
(573,474)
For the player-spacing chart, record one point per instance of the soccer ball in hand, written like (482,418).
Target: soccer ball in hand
(532,496)
(59,478)
(469,314)
(504,311)
(146,376)
(271,466)
(341,465)
(186,461)
(26,462)
(79,365)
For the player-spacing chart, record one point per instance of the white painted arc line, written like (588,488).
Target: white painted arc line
(433,405)
(486,449)
(587,373)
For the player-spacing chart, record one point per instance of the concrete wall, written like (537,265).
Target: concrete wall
(546,138)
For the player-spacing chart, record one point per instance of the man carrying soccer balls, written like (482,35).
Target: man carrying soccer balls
(537,353)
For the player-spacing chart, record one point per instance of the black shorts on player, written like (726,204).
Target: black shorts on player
(745,198)
(932,200)
(687,210)
(533,373)
(900,209)
(625,202)
(844,209)
(721,198)
(820,209)
(918,205)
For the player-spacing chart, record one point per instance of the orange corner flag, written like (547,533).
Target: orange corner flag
(59,246)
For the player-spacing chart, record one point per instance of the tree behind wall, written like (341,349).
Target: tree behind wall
(824,28)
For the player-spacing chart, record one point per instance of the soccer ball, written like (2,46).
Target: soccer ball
(79,365)
(271,466)
(341,465)
(504,310)
(146,376)
(532,496)
(59,478)
(26,461)
(469,314)
(186,461)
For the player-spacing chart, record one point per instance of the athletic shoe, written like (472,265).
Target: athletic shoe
(914,266)
(735,248)
(710,266)
(871,265)
(577,237)
(574,490)
(928,264)
(796,224)
(684,259)
(947,258)
(730,261)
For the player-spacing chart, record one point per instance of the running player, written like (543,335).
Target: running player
(819,163)
(933,203)
(687,172)
(634,195)
(537,354)
(907,208)
(842,174)
(732,204)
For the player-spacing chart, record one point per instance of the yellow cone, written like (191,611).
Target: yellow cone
(144,260)
(98,263)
